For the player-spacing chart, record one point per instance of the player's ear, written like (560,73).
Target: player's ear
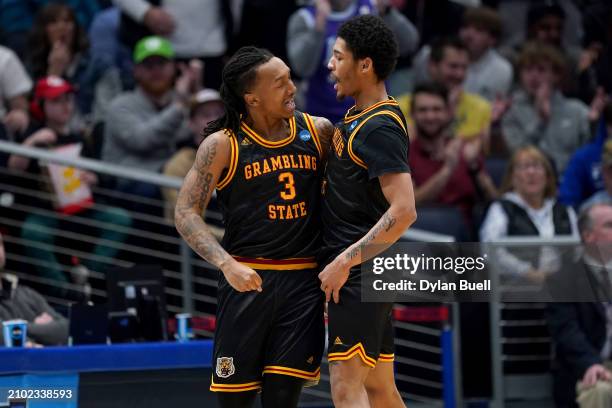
(366,65)
(251,100)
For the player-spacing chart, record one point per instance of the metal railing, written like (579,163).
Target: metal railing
(522,385)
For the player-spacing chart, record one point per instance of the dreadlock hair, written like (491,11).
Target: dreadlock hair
(237,78)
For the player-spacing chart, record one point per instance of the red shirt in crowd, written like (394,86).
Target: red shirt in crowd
(460,189)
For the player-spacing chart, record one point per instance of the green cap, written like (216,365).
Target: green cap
(152,46)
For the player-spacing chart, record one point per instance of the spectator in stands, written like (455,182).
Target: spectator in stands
(206,106)
(45,325)
(489,74)
(448,64)
(115,61)
(545,23)
(445,170)
(595,62)
(580,331)
(605,195)
(59,47)
(583,175)
(17,18)
(540,115)
(310,38)
(528,207)
(196,29)
(15,85)
(144,126)
(436,18)
(53,107)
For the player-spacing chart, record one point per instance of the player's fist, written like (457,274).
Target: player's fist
(242,278)
(333,277)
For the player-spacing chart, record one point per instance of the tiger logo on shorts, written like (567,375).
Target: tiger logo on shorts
(225,367)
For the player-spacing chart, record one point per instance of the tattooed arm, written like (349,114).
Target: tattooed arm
(397,189)
(213,156)
(325,129)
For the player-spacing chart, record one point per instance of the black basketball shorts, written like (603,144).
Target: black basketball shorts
(280,330)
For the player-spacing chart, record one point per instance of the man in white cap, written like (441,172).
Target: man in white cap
(205,107)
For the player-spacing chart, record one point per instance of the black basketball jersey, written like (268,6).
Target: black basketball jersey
(365,145)
(270,197)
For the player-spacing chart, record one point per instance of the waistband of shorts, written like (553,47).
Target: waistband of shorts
(289,264)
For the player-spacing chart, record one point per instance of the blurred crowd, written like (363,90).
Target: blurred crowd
(137,80)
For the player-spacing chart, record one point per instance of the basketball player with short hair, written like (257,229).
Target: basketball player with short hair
(265,160)
(368,200)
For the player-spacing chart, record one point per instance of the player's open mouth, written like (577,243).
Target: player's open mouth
(335,80)
(290,104)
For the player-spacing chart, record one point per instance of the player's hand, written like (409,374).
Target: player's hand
(242,278)
(333,277)
(159,21)
(595,373)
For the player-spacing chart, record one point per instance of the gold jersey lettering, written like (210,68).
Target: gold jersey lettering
(276,163)
(256,170)
(286,161)
(266,166)
(287,212)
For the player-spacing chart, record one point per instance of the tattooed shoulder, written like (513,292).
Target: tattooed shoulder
(325,129)
(209,149)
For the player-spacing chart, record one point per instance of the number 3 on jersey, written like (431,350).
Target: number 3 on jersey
(289,192)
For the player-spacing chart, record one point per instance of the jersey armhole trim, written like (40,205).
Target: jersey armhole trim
(233,163)
(351,153)
(313,131)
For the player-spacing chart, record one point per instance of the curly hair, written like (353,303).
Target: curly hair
(369,36)
(238,76)
(39,44)
(535,52)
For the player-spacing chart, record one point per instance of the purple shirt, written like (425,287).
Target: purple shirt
(321,95)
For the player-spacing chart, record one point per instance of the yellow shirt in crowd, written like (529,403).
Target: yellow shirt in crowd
(472,116)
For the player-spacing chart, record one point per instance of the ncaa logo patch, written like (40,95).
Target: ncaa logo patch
(225,367)
(305,135)
(353,125)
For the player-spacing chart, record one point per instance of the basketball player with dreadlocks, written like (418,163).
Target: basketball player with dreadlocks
(265,160)
(368,200)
